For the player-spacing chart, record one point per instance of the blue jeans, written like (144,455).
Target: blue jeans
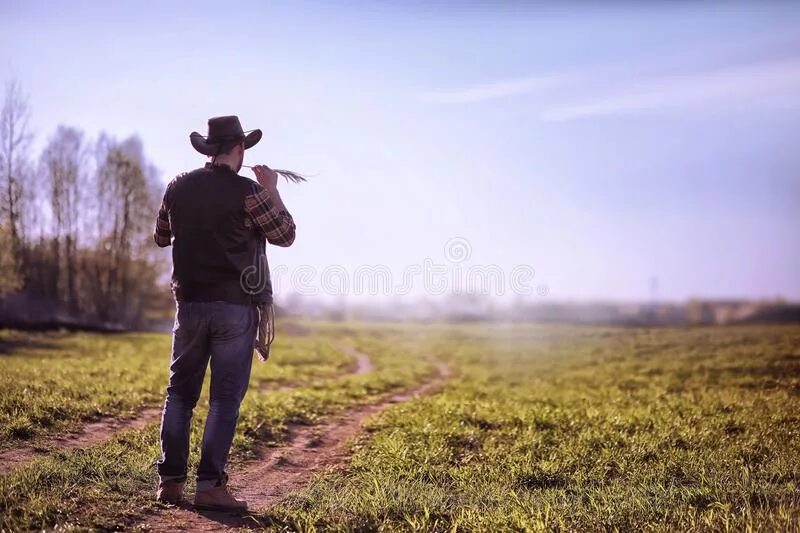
(223,333)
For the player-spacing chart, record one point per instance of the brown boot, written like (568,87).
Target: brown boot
(170,491)
(219,499)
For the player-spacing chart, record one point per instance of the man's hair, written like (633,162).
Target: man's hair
(227,148)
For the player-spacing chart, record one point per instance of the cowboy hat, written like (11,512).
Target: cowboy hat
(223,133)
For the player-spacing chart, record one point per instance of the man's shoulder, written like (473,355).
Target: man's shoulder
(183,176)
(248,183)
(243,183)
(192,173)
(231,181)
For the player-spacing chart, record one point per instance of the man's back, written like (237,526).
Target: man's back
(214,238)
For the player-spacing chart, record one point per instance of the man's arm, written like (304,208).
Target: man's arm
(163,232)
(265,207)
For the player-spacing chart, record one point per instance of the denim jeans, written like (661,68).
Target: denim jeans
(224,333)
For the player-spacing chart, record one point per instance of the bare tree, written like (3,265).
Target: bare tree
(14,143)
(126,189)
(63,163)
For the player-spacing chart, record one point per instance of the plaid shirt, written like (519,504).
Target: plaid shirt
(274,225)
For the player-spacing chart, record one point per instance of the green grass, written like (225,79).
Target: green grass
(581,429)
(540,428)
(55,382)
(109,486)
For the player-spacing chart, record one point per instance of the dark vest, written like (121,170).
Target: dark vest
(217,254)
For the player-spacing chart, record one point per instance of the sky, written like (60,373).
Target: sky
(623,151)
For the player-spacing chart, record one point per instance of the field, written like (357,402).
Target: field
(444,428)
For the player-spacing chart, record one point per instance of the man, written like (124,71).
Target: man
(216,222)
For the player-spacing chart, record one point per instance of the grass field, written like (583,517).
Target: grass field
(538,428)
(53,382)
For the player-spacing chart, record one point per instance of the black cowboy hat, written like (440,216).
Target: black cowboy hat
(223,133)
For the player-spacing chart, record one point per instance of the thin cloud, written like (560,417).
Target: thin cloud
(768,83)
(497,89)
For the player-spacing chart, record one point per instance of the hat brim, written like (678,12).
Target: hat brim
(201,144)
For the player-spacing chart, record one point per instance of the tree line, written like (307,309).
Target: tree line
(76,228)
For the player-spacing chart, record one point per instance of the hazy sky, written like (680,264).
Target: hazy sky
(602,146)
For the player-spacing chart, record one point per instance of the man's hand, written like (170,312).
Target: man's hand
(267,177)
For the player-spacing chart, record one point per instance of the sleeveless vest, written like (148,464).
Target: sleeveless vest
(217,253)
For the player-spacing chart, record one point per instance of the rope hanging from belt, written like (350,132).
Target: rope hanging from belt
(266,330)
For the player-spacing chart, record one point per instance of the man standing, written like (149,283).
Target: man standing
(216,222)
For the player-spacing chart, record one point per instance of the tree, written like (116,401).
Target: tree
(14,142)
(10,279)
(127,206)
(76,236)
(63,167)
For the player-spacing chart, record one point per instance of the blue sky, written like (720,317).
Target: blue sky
(602,146)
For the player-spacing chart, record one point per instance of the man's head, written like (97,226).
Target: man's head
(226,141)
(233,156)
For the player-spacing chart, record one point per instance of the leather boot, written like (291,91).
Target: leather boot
(219,499)
(170,491)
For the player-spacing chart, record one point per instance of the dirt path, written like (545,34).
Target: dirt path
(363,363)
(96,433)
(91,434)
(279,471)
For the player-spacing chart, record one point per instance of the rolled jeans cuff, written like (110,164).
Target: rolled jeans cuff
(164,478)
(208,484)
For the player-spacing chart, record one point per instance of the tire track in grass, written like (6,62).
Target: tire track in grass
(363,362)
(91,434)
(96,433)
(278,471)
(363,365)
